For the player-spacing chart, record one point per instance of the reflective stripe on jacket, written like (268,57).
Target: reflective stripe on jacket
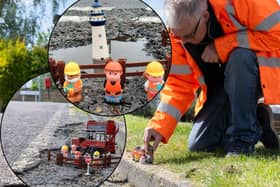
(251,24)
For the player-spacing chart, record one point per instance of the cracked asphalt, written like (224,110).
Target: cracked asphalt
(28,128)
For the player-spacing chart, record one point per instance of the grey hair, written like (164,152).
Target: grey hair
(178,10)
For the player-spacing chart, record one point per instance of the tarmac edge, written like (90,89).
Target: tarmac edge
(148,175)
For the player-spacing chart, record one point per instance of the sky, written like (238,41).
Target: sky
(157,5)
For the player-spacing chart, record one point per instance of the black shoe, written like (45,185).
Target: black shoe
(238,147)
(269,138)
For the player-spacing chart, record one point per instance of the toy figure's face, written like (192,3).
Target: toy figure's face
(154,79)
(113,75)
(64,150)
(72,78)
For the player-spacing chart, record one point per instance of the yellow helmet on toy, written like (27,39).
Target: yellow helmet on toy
(96,154)
(72,68)
(155,69)
(64,148)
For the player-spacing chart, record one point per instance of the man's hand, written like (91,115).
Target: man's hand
(210,54)
(151,134)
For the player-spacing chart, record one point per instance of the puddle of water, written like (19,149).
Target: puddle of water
(74,19)
(132,51)
(148,19)
(81,54)
(88,8)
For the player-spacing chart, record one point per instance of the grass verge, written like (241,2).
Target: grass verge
(208,169)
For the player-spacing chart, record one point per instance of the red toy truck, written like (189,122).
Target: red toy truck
(100,137)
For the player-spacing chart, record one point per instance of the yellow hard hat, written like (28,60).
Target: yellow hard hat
(64,148)
(72,68)
(155,68)
(96,154)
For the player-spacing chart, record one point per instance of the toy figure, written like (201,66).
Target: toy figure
(96,155)
(140,155)
(73,150)
(64,150)
(137,153)
(73,83)
(154,75)
(112,86)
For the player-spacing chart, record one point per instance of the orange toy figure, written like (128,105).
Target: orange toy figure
(154,75)
(73,83)
(137,153)
(113,87)
(140,155)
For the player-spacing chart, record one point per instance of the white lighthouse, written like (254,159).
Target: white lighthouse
(99,42)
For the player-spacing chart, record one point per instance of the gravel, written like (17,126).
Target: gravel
(93,97)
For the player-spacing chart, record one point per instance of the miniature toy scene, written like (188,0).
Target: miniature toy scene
(109,58)
(56,143)
(139,154)
(93,151)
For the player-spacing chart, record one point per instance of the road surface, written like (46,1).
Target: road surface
(29,127)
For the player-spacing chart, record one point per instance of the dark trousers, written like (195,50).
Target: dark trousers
(229,113)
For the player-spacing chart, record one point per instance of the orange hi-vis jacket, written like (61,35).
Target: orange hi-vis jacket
(76,86)
(113,89)
(251,24)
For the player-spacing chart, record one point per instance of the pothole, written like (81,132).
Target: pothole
(48,172)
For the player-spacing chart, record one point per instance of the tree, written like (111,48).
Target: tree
(18,65)
(20,18)
(21,26)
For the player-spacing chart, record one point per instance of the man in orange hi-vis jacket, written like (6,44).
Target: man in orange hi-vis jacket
(227,52)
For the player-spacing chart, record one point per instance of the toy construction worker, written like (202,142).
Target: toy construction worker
(73,150)
(96,155)
(140,155)
(73,83)
(154,74)
(229,51)
(64,150)
(113,86)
